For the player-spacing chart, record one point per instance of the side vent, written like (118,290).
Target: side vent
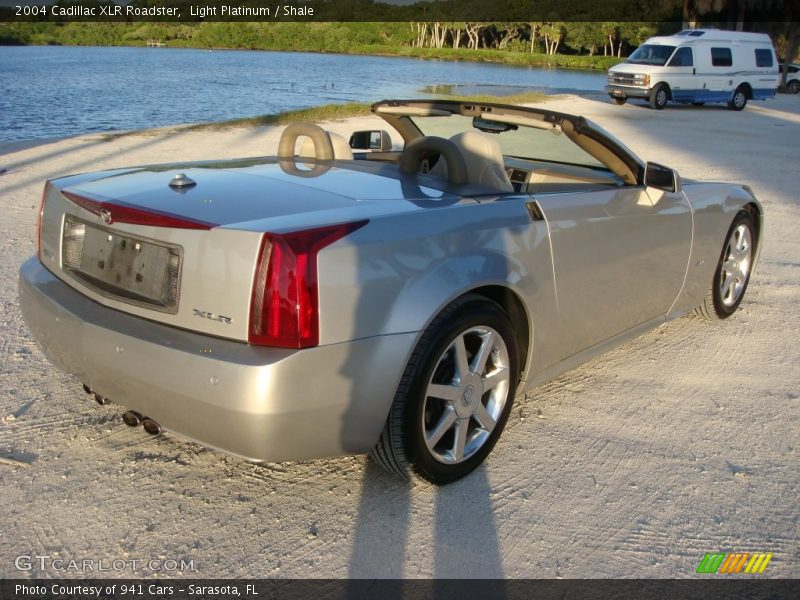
(534,211)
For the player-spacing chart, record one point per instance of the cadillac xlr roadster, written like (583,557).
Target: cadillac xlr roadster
(369,296)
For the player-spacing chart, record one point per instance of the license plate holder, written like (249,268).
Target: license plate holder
(122,266)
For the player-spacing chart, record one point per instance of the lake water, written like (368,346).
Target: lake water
(53,91)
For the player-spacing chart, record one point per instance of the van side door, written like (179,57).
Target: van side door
(682,78)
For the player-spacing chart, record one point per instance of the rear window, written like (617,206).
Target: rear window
(721,57)
(763,58)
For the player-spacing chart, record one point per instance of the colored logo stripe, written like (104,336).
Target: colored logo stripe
(734,562)
(758,563)
(711,563)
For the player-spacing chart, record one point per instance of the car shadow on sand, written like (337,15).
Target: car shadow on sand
(464,539)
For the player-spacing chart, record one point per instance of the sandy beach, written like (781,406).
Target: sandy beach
(682,442)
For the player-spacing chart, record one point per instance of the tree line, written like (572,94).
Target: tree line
(547,37)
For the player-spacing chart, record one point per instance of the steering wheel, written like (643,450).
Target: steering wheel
(421,148)
(323,148)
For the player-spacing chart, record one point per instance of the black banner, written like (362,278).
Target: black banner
(364,589)
(377,11)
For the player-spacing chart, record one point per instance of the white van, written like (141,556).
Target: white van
(698,66)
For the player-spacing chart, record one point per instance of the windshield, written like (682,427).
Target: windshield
(524,142)
(650,54)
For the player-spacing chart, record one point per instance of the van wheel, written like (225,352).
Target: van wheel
(739,100)
(619,101)
(659,96)
(698,103)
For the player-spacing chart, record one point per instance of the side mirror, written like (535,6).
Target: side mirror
(378,139)
(661,178)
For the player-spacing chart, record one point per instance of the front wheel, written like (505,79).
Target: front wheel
(739,99)
(794,86)
(619,100)
(659,96)
(733,270)
(455,395)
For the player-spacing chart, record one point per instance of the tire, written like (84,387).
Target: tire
(739,99)
(421,432)
(733,270)
(793,86)
(659,96)
(619,101)
(698,103)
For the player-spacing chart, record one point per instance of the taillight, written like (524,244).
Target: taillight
(284,308)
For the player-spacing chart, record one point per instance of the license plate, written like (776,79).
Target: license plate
(121,266)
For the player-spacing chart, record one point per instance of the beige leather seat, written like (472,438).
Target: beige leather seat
(484,158)
(341,149)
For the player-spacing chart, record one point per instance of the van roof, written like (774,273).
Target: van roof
(690,36)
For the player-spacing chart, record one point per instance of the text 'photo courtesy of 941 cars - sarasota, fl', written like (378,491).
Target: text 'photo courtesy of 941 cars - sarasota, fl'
(343,298)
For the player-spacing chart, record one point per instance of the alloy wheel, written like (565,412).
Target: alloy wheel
(466,395)
(736,265)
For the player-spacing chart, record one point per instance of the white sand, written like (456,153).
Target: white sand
(636,464)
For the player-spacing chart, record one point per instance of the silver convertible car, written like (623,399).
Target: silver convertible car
(344,298)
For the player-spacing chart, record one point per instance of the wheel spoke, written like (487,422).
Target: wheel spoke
(445,392)
(727,283)
(731,288)
(443,426)
(484,418)
(498,376)
(462,364)
(479,361)
(462,425)
(729,266)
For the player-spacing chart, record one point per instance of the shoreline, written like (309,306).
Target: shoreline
(13,146)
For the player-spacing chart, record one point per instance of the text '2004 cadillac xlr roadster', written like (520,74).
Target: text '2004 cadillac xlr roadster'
(336,300)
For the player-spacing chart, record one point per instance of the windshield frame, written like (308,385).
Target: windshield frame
(619,159)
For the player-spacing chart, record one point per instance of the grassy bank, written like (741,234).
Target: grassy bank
(506,57)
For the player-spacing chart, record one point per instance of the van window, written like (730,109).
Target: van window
(721,57)
(763,58)
(682,58)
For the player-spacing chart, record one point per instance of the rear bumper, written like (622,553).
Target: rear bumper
(263,404)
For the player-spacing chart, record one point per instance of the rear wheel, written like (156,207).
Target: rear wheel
(455,395)
(733,270)
(698,103)
(739,99)
(619,100)
(659,96)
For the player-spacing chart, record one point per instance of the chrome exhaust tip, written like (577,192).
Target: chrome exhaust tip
(131,418)
(151,426)
(101,400)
